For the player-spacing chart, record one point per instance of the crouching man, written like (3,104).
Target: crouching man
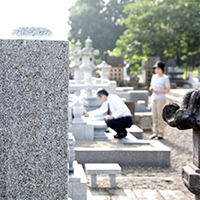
(118,115)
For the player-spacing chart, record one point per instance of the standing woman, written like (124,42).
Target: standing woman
(159,86)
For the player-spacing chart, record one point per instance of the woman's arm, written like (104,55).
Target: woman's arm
(162,91)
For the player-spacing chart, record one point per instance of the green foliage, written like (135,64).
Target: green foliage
(157,27)
(71,49)
(135,68)
(98,61)
(98,20)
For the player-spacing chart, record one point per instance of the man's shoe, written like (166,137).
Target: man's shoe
(120,135)
(152,136)
(158,137)
(116,136)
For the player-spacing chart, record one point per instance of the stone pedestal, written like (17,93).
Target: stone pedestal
(77,179)
(33,118)
(78,183)
(185,117)
(191,173)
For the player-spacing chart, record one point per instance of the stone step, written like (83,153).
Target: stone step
(118,194)
(142,194)
(173,194)
(148,195)
(135,131)
(100,137)
(99,133)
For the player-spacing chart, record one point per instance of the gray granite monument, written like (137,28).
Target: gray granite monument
(33,115)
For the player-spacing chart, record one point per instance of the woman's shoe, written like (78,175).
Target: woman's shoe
(152,136)
(158,137)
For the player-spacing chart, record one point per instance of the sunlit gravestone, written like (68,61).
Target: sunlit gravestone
(33,115)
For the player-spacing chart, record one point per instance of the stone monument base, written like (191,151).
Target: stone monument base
(77,183)
(150,153)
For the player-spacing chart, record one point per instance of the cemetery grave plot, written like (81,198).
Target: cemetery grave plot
(110,144)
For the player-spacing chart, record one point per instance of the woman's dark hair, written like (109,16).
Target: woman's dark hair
(102,92)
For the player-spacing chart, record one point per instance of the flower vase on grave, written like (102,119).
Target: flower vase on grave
(77,113)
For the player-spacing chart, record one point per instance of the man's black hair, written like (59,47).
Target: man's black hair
(102,92)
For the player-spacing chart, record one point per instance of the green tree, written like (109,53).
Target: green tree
(160,27)
(98,20)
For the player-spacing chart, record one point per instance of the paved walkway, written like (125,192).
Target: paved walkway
(140,194)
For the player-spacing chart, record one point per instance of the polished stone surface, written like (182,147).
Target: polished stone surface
(33,119)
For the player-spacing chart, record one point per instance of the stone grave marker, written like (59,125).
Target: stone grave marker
(33,115)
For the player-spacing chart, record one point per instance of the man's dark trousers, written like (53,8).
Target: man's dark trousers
(119,125)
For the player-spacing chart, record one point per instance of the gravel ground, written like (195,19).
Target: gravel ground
(180,143)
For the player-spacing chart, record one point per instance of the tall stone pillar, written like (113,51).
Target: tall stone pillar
(33,116)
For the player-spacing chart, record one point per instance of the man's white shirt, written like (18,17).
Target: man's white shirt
(117,107)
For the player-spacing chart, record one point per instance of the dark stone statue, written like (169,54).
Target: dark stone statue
(187,116)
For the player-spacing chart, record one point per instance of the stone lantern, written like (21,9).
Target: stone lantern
(147,69)
(104,71)
(87,66)
(186,117)
(77,62)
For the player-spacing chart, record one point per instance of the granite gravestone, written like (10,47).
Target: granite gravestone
(33,115)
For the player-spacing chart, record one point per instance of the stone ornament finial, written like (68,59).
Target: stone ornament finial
(187,116)
(88,42)
(32,32)
(78,45)
(77,54)
(88,50)
(104,65)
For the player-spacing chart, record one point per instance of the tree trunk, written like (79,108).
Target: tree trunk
(197,56)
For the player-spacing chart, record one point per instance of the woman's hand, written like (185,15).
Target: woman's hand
(156,91)
(151,88)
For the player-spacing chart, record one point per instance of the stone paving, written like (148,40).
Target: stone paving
(140,194)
